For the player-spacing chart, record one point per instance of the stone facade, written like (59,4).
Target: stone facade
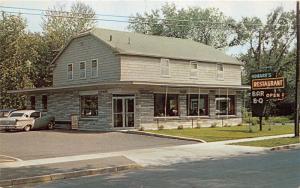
(63,105)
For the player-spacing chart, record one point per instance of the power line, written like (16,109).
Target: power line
(120,16)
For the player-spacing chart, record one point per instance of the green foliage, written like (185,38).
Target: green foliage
(184,23)
(25,57)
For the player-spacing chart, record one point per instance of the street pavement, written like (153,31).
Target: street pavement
(272,169)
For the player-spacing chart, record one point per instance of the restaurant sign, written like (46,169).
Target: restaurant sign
(265,87)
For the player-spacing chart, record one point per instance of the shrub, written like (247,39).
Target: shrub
(240,124)
(213,125)
(161,127)
(227,125)
(180,127)
(198,125)
(141,129)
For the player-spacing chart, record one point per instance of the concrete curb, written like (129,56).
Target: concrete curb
(164,136)
(66,175)
(290,146)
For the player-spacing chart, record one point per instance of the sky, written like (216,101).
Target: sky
(235,9)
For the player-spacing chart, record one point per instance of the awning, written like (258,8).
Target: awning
(103,85)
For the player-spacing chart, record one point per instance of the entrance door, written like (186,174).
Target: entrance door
(123,111)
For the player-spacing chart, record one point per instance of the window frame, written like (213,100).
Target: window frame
(233,98)
(165,108)
(84,69)
(192,70)
(97,68)
(218,73)
(165,60)
(206,104)
(70,71)
(81,106)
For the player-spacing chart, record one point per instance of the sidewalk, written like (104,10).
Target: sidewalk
(54,171)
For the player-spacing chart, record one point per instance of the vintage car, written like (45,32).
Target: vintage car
(27,120)
(5,112)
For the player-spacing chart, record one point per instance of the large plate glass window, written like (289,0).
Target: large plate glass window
(166,105)
(94,68)
(89,105)
(70,71)
(225,105)
(82,69)
(197,105)
(165,67)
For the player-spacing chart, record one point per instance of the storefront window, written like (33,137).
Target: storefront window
(197,105)
(89,105)
(225,105)
(32,102)
(161,105)
(45,102)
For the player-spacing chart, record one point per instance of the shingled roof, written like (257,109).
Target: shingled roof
(168,47)
(132,43)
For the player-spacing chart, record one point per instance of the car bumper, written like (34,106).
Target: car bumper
(10,127)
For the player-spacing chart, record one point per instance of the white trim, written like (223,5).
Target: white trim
(217,72)
(68,71)
(97,70)
(84,70)
(91,92)
(194,71)
(167,61)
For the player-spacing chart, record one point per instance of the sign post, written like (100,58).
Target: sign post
(265,87)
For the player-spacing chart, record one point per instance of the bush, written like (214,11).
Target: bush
(240,124)
(198,125)
(141,129)
(214,125)
(161,127)
(180,127)
(227,125)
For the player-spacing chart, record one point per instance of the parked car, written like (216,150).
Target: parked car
(27,120)
(5,112)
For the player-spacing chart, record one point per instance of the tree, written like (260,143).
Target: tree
(59,26)
(15,52)
(209,26)
(270,45)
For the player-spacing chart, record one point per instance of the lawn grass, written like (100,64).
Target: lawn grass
(270,142)
(226,133)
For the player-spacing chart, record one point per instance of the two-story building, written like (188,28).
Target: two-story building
(118,80)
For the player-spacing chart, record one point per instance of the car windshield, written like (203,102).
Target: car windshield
(16,115)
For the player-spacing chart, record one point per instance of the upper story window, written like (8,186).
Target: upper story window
(94,68)
(220,72)
(165,67)
(193,69)
(82,69)
(70,71)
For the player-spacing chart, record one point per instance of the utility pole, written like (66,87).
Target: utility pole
(297,98)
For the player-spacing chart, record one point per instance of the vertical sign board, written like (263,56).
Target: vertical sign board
(265,87)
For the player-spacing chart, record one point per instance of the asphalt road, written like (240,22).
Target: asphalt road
(275,169)
(48,144)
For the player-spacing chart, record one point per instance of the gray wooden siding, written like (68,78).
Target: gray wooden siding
(148,69)
(86,48)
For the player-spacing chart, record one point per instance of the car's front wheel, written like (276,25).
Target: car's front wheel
(27,128)
(51,125)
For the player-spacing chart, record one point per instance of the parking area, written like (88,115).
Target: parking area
(48,144)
